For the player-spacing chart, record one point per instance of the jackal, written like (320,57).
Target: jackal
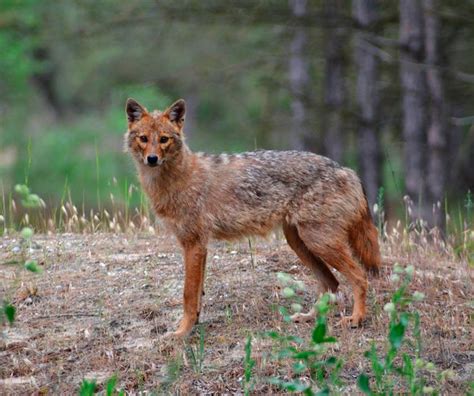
(320,205)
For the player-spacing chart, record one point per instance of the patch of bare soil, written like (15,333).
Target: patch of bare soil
(103,302)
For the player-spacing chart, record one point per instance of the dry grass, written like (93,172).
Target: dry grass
(103,301)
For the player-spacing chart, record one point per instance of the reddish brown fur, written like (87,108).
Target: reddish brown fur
(320,204)
(364,242)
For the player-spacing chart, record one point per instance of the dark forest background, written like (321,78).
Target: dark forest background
(385,87)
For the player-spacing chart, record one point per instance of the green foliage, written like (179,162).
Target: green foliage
(249,363)
(307,358)
(110,387)
(87,388)
(174,369)
(29,201)
(196,354)
(399,369)
(32,266)
(90,388)
(8,311)
(19,20)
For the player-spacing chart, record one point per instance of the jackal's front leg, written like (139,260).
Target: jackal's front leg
(194,262)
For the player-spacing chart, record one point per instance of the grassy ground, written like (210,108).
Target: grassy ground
(103,301)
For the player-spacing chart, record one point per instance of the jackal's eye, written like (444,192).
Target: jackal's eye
(164,139)
(143,139)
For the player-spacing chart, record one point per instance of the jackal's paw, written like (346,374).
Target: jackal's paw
(301,317)
(175,335)
(184,329)
(355,320)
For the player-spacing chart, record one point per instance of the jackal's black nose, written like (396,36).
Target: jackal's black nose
(152,160)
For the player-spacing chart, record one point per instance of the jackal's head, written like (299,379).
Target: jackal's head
(156,137)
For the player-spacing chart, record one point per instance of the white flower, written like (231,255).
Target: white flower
(389,307)
(397,268)
(376,208)
(418,296)
(410,270)
(283,277)
(296,307)
(394,278)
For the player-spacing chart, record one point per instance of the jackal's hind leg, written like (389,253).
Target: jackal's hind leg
(315,263)
(334,250)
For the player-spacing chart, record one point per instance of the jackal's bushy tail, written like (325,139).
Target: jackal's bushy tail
(363,238)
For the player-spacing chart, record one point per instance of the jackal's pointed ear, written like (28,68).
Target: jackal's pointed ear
(135,111)
(176,112)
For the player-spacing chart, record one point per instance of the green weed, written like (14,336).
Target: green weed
(314,371)
(196,354)
(249,363)
(29,201)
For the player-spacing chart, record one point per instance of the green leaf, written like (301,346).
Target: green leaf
(304,355)
(396,335)
(22,189)
(110,386)
(32,201)
(288,292)
(272,334)
(319,331)
(294,386)
(292,338)
(299,367)
(32,265)
(323,392)
(87,388)
(27,233)
(331,360)
(408,369)
(286,352)
(322,305)
(9,311)
(363,384)
(284,312)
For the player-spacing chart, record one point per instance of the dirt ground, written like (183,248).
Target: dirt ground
(103,302)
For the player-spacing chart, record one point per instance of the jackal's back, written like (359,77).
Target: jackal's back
(254,192)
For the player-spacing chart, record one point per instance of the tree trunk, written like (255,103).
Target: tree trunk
(414,107)
(334,89)
(44,80)
(299,79)
(437,136)
(365,14)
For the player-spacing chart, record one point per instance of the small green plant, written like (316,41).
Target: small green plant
(313,370)
(290,289)
(90,388)
(469,204)
(29,201)
(110,387)
(87,388)
(8,312)
(196,354)
(400,371)
(174,369)
(249,363)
